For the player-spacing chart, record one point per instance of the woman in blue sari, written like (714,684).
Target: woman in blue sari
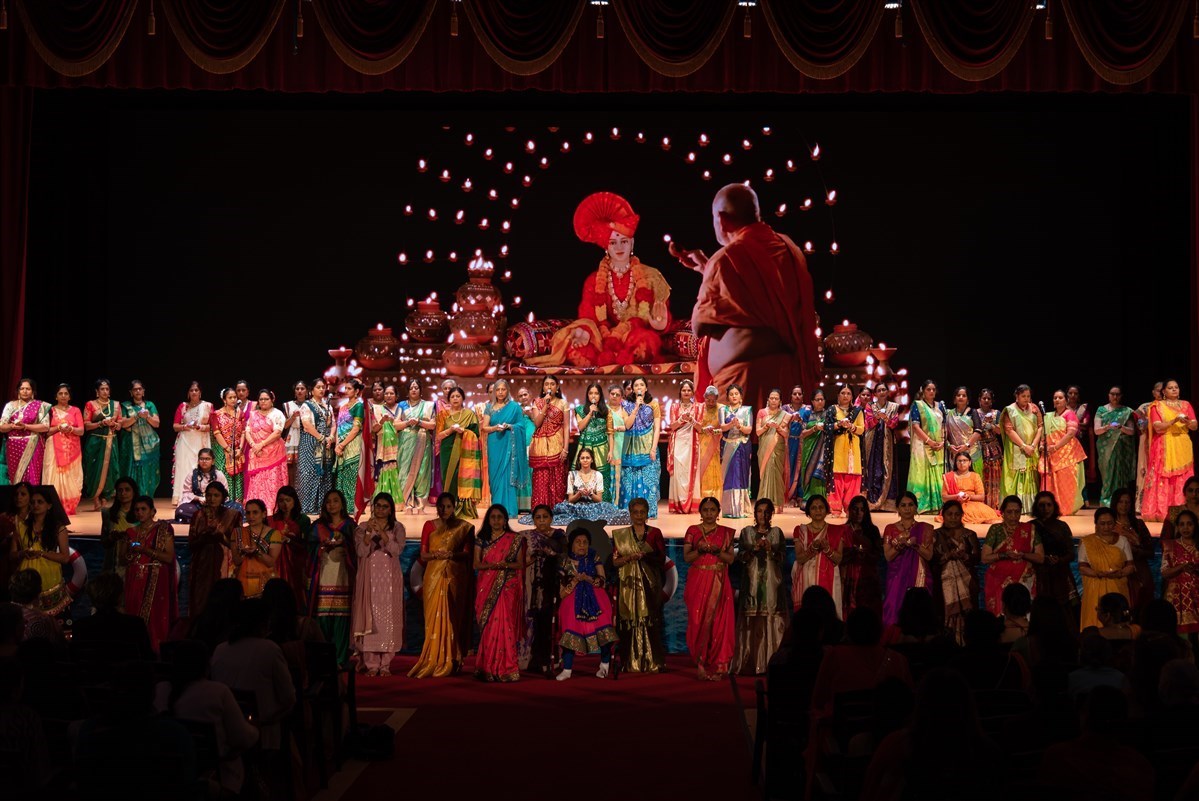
(736,421)
(800,414)
(507,454)
(640,470)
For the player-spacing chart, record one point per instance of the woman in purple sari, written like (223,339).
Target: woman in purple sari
(908,547)
(23,423)
(500,598)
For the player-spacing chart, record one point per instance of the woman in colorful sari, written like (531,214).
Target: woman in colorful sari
(878,451)
(1140,542)
(773,426)
(229,442)
(584,498)
(955,549)
(708,478)
(548,449)
(640,468)
(192,434)
(1115,433)
(292,412)
(1105,563)
(1180,573)
(116,521)
(711,623)
(101,451)
(1055,578)
(591,416)
(499,597)
(681,449)
(585,612)
(1190,501)
(524,493)
(960,436)
(798,415)
(314,457)
(844,425)
(209,537)
(64,453)
(639,555)
(351,418)
(461,468)
(814,437)
(23,422)
(387,443)
(41,545)
(507,450)
(255,550)
(377,612)
(446,551)
(990,442)
(415,455)
(1021,424)
(1066,477)
(1171,456)
(736,421)
(1012,550)
(818,550)
(1142,417)
(333,573)
(267,468)
(861,554)
(12,522)
(139,440)
(1086,430)
(151,586)
(544,547)
(296,528)
(926,469)
(907,547)
(965,487)
(762,605)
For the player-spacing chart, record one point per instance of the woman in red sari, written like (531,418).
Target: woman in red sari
(818,550)
(548,445)
(1011,550)
(711,623)
(295,526)
(150,581)
(500,597)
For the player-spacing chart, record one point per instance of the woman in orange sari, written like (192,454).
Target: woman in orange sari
(818,547)
(711,623)
(255,550)
(500,597)
(966,487)
(63,465)
(1171,456)
(151,588)
(1065,477)
(708,479)
(446,546)
(1011,549)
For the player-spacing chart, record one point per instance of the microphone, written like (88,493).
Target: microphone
(1042,405)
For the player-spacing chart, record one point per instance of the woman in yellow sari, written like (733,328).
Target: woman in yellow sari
(446,551)
(1105,562)
(709,479)
(1021,426)
(1065,477)
(1171,457)
(460,453)
(772,426)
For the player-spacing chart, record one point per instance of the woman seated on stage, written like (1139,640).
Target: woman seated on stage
(966,487)
(191,498)
(585,613)
(585,497)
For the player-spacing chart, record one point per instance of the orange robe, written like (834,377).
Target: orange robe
(759,280)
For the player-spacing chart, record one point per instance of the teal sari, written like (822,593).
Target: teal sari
(415,455)
(507,456)
(138,448)
(1116,451)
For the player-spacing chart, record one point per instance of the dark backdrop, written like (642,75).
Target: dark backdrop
(993,239)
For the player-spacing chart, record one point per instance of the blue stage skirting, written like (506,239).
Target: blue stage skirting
(414,629)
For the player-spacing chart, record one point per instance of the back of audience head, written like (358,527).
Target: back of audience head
(189,663)
(1178,684)
(864,627)
(1055,633)
(215,620)
(106,590)
(284,618)
(1159,616)
(1016,600)
(25,586)
(1113,609)
(12,627)
(1104,711)
(918,614)
(945,712)
(250,620)
(981,629)
(1095,650)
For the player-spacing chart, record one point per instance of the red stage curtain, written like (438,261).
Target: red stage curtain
(15,107)
(1125,40)
(823,38)
(674,37)
(974,39)
(524,36)
(75,37)
(373,36)
(222,36)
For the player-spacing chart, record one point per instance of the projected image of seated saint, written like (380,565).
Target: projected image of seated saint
(624,305)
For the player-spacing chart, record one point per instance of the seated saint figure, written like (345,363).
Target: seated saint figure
(624,307)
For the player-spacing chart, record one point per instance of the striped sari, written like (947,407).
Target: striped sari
(1067,479)
(414,457)
(461,460)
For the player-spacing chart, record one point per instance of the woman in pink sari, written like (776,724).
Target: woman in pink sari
(63,465)
(267,470)
(1011,551)
(500,597)
(711,621)
(818,550)
(1171,455)
(151,586)
(377,611)
(23,422)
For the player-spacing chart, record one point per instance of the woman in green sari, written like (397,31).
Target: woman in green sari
(592,419)
(414,454)
(461,454)
(387,444)
(811,456)
(1116,446)
(101,422)
(507,448)
(139,440)
(926,471)
(350,419)
(1021,425)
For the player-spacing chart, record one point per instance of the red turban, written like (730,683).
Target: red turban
(602,213)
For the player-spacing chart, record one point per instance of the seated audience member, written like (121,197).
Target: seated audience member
(191,696)
(1157,644)
(822,601)
(862,663)
(250,662)
(1096,668)
(1115,618)
(1096,764)
(21,736)
(920,634)
(25,588)
(108,624)
(984,661)
(213,624)
(1017,602)
(12,629)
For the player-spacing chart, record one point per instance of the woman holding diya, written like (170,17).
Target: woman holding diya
(711,628)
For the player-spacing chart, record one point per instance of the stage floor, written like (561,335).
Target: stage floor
(672,525)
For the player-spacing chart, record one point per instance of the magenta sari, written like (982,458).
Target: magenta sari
(500,610)
(23,450)
(709,598)
(906,570)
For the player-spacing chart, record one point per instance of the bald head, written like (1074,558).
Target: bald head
(734,207)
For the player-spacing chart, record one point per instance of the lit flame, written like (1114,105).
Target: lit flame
(615,134)
(703,140)
(727,158)
(422,165)
(530,146)
(816,152)
(746,144)
(691,158)
(488,153)
(666,143)
(402,258)
(508,167)
(460,216)
(831,197)
(707,175)
(470,139)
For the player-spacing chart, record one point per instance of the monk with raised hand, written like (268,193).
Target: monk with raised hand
(755,314)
